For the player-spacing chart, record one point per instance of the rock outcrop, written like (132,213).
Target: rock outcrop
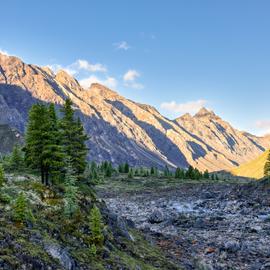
(122,130)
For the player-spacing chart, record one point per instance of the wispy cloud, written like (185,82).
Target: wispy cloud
(264,126)
(108,81)
(79,65)
(188,107)
(130,78)
(122,45)
(3,52)
(131,75)
(85,65)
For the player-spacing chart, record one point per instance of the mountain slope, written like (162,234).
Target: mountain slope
(122,130)
(8,138)
(254,168)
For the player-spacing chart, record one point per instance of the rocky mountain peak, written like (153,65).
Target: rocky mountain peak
(101,90)
(67,80)
(203,112)
(186,116)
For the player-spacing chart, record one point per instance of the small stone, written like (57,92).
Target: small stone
(232,246)
(156,217)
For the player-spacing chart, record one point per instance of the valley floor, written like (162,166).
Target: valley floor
(199,225)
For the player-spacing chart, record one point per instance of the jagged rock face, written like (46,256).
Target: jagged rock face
(122,130)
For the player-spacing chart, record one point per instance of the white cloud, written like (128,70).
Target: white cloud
(130,78)
(123,45)
(188,107)
(3,52)
(109,81)
(264,126)
(85,65)
(131,75)
(77,66)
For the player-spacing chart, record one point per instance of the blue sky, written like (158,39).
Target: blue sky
(175,55)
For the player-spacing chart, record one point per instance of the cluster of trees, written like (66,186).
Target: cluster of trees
(105,169)
(194,174)
(52,143)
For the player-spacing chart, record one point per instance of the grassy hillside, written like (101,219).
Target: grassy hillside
(254,168)
(48,240)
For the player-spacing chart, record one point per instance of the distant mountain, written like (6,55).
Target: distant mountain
(254,168)
(122,130)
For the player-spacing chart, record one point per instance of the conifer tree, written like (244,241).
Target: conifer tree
(152,171)
(179,174)
(126,168)
(108,170)
(166,171)
(21,211)
(53,152)
(70,197)
(96,226)
(16,159)
(2,176)
(206,174)
(130,173)
(73,138)
(36,140)
(190,173)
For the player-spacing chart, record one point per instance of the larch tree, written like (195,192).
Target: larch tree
(73,138)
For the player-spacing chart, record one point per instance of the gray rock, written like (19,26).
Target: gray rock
(232,246)
(61,254)
(156,217)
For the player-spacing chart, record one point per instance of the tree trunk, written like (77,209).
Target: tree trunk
(47,178)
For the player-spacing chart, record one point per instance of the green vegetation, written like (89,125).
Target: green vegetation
(2,176)
(21,210)
(267,166)
(40,217)
(257,168)
(70,195)
(49,142)
(96,227)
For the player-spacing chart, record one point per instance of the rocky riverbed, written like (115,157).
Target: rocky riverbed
(203,226)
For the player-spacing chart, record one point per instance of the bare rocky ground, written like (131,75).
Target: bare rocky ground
(202,226)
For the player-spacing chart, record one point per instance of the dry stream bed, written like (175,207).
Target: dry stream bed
(200,226)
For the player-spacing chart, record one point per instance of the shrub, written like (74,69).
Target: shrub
(21,211)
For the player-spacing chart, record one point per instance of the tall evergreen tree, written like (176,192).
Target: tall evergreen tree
(73,138)
(36,140)
(53,150)
(126,168)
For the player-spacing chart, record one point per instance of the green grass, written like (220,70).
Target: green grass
(253,169)
(122,184)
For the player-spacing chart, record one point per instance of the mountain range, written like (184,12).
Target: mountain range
(122,130)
